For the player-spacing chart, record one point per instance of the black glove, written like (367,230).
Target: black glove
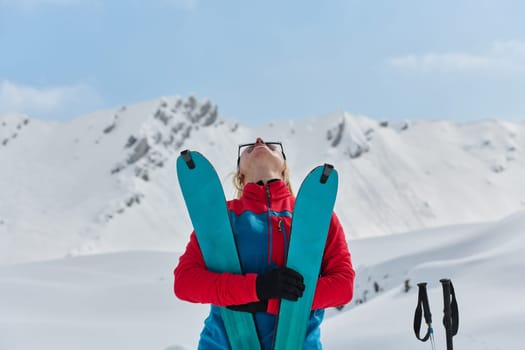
(281,283)
(258,306)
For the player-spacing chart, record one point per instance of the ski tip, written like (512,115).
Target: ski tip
(186,156)
(327,170)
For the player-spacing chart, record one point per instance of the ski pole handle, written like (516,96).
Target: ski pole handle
(450,317)
(422,310)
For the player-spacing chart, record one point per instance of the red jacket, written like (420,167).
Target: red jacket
(261,221)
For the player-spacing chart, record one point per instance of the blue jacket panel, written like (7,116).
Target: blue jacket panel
(261,231)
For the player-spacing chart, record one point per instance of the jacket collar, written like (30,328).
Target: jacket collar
(277,190)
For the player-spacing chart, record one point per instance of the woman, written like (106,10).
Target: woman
(261,221)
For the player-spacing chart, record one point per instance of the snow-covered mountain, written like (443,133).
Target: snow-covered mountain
(107,182)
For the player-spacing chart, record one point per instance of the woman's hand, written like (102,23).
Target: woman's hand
(281,283)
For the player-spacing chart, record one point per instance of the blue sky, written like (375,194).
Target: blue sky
(266,60)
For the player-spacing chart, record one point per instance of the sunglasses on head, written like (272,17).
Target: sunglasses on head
(249,146)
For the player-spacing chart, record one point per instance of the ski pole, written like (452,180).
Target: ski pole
(423,310)
(450,317)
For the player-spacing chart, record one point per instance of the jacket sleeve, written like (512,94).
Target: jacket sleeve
(335,286)
(195,283)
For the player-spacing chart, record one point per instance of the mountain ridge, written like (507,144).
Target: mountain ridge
(106,181)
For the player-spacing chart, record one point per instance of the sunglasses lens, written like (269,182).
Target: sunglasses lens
(247,148)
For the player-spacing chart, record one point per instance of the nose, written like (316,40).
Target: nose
(259,140)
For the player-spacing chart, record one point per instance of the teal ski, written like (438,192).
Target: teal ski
(204,197)
(310,224)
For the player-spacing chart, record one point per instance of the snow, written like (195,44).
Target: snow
(484,262)
(92,224)
(125,300)
(105,182)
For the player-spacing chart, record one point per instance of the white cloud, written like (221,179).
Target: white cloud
(55,101)
(503,57)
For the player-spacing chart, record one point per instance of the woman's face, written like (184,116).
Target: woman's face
(261,155)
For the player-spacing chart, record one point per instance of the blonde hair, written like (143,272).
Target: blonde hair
(238,180)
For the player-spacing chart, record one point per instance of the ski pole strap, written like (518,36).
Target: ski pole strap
(422,310)
(451,313)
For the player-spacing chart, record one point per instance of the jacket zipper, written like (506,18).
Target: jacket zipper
(285,239)
(270,231)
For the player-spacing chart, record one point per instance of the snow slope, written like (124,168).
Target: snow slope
(106,182)
(125,300)
(92,223)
